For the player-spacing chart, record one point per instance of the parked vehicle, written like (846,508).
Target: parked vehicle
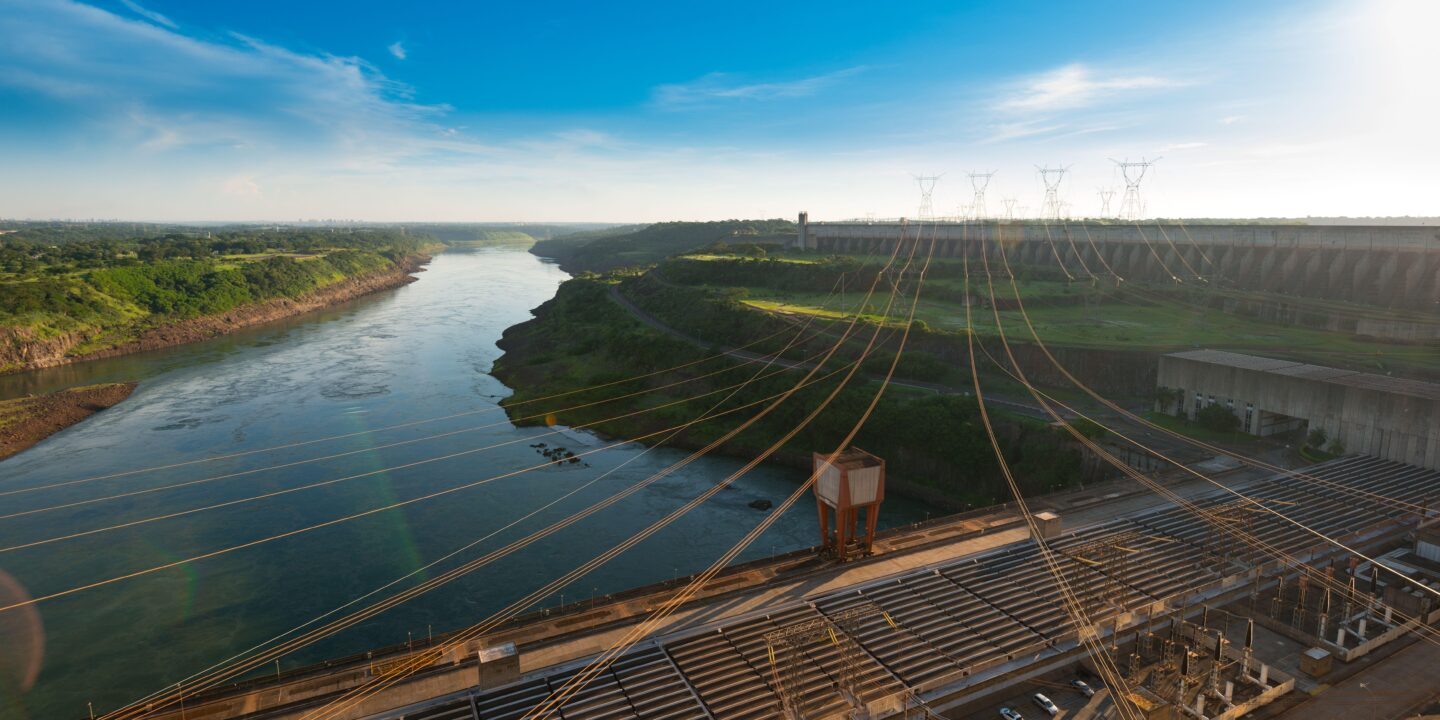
(1082,687)
(1009,714)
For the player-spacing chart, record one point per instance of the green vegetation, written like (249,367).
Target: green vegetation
(1079,315)
(1217,419)
(932,441)
(91,289)
(494,234)
(612,248)
(1234,438)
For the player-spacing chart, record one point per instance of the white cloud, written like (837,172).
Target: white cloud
(1073,86)
(397,49)
(1016,130)
(244,92)
(722,86)
(149,14)
(241,186)
(1232,119)
(1173,147)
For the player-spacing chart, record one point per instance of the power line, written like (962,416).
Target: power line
(581,680)
(358,694)
(219,672)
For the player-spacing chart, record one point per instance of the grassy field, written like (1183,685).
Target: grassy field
(1107,324)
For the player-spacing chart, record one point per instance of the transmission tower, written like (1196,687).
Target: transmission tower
(793,657)
(1052,178)
(927,189)
(1009,208)
(1105,195)
(1131,206)
(980,181)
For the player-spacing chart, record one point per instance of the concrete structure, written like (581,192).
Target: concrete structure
(1427,544)
(1048,524)
(1389,266)
(1316,662)
(499,665)
(1387,417)
(855,481)
(946,632)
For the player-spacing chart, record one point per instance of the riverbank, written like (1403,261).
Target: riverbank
(26,421)
(21,351)
(931,440)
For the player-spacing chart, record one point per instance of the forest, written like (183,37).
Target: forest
(99,286)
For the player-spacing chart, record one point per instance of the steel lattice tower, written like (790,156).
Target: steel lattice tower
(1131,206)
(1105,195)
(980,181)
(1052,178)
(927,190)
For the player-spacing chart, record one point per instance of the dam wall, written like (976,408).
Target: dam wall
(1384,266)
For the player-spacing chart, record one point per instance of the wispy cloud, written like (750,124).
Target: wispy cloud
(1174,147)
(1073,86)
(1016,130)
(148,14)
(1232,119)
(174,90)
(719,87)
(397,49)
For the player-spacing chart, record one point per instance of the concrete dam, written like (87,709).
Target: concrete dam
(1385,266)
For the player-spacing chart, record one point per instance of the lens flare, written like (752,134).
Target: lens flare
(22,638)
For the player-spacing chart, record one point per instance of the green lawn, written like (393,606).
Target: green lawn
(1110,324)
(799,259)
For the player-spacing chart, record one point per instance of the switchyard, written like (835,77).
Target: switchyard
(1159,586)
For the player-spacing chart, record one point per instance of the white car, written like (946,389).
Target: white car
(1009,714)
(1082,687)
(1045,704)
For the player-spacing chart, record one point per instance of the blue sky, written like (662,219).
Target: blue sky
(263,110)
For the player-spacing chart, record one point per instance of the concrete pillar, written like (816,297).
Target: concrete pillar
(1340,638)
(1264,674)
(1229,692)
(1361,631)
(1200,705)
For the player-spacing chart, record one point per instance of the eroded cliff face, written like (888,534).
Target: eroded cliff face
(20,350)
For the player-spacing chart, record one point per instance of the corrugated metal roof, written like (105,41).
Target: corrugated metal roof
(939,622)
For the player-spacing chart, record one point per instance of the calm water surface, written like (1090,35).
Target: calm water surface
(421,352)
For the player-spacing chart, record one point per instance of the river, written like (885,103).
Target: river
(414,354)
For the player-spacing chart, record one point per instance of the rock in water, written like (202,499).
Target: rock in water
(761,504)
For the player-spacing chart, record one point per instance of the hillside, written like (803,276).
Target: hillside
(612,248)
(92,294)
(496,234)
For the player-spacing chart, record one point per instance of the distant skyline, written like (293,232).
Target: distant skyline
(179,111)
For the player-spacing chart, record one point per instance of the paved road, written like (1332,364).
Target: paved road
(1392,688)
